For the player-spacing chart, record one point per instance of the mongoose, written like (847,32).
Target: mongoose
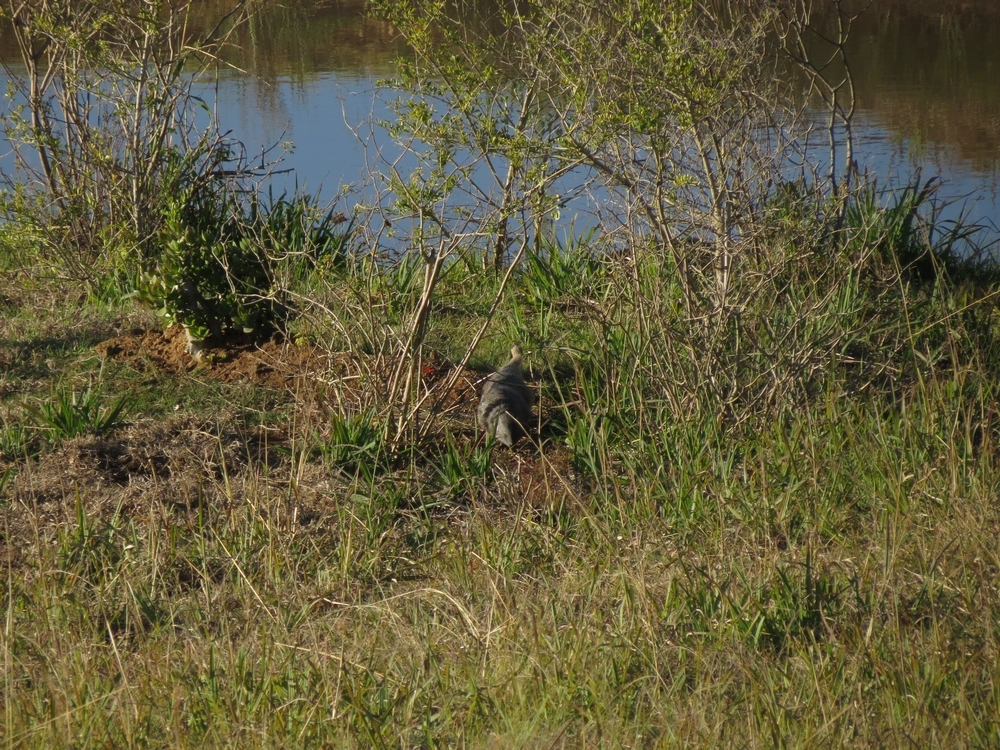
(505,407)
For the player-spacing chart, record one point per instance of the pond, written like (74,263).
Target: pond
(925,72)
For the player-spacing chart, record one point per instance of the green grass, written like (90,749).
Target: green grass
(796,552)
(67,414)
(806,594)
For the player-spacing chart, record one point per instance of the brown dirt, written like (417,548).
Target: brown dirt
(342,380)
(282,365)
(182,462)
(146,457)
(173,465)
(277,363)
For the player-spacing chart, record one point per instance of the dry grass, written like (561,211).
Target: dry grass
(824,574)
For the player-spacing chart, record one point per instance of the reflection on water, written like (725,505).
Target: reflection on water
(303,73)
(300,40)
(926,74)
(297,73)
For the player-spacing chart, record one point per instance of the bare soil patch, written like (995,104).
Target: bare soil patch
(281,364)
(180,463)
(276,363)
(338,381)
(177,464)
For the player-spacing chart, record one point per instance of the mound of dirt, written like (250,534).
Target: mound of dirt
(276,363)
(283,365)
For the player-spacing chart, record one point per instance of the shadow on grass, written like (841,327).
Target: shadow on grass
(44,357)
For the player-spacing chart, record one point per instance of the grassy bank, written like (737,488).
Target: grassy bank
(802,553)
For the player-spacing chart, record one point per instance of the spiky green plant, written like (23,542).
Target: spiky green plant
(66,413)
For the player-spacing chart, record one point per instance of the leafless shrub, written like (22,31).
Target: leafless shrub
(105,119)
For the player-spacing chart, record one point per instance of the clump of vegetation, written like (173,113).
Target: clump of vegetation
(210,277)
(68,414)
(226,265)
(355,443)
(15,441)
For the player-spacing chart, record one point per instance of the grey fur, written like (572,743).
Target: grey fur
(505,406)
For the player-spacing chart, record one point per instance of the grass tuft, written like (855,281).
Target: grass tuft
(66,414)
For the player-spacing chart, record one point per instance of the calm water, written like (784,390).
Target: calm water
(926,73)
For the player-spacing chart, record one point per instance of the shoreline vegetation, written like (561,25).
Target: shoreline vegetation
(759,503)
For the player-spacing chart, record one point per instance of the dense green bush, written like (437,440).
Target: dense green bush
(210,278)
(225,263)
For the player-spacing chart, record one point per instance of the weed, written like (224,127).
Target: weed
(563,272)
(355,443)
(299,236)
(16,441)
(459,467)
(905,227)
(66,414)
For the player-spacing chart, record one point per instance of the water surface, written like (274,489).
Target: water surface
(925,73)
(303,73)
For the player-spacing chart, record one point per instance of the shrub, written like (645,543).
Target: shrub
(210,277)
(226,264)
(103,124)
